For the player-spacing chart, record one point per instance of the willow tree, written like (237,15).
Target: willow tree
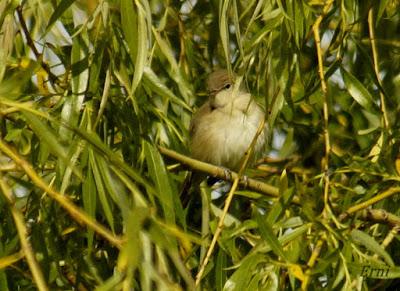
(95,103)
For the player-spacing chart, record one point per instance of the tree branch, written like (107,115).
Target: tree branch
(52,78)
(220,172)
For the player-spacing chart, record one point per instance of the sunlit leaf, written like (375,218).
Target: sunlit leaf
(269,237)
(60,9)
(357,90)
(371,244)
(159,175)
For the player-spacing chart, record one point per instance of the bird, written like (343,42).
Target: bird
(222,129)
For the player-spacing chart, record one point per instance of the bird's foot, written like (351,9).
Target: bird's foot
(227,174)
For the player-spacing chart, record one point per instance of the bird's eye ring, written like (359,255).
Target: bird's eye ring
(227,86)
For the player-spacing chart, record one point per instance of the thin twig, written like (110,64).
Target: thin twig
(26,247)
(317,250)
(385,194)
(324,89)
(390,236)
(104,98)
(53,78)
(311,262)
(371,29)
(11,259)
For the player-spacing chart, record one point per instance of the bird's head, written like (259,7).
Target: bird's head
(223,88)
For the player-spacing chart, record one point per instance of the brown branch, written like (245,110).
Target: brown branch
(380,216)
(220,172)
(383,195)
(28,37)
(53,78)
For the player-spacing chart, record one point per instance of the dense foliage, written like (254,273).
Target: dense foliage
(90,90)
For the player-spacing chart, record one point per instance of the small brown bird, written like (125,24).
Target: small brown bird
(223,128)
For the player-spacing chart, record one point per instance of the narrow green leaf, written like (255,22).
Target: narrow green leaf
(257,280)
(175,71)
(274,108)
(130,255)
(242,276)
(114,158)
(254,15)
(129,26)
(75,149)
(357,90)
(288,146)
(381,10)
(236,22)
(283,182)
(3,281)
(224,31)
(96,65)
(142,48)
(269,237)
(154,83)
(220,270)
(160,177)
(298,21)
(280,206)
(89,201)
(274,20)
(229,219)
(280,5)
(60,9)
(74,102)
(112,283)
(138,197)
(114,187)
(371,244)
(10,88)
(101,192)
(46,134)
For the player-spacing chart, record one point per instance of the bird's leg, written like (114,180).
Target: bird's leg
(211,180)
(244,180)
(227,174)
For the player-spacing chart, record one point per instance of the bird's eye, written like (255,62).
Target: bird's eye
(227,86)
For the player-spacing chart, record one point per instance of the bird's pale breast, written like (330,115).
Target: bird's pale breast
(227,131)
